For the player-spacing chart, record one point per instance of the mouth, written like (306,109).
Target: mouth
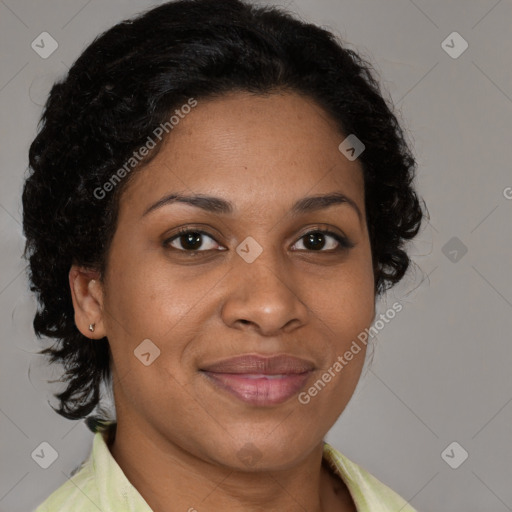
(260,380)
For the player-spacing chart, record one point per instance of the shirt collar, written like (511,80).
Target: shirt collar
(114,489)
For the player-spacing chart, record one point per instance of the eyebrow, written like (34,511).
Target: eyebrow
(218,205)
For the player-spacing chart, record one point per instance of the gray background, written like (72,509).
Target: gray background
(441,368)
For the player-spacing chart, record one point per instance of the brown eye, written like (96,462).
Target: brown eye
(190,240)
(314,241)
(323,241)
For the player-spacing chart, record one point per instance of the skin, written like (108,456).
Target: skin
(178,436)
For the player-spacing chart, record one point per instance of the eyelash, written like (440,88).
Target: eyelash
(344,243)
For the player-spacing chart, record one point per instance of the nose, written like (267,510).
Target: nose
(264,299)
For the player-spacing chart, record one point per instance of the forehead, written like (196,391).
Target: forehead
(275,146)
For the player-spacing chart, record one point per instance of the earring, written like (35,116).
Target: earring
(91,327)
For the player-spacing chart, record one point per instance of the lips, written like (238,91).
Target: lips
(254,364)
(260,380)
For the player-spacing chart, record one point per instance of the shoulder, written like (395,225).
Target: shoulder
(78,493)
(98,484)
(81,492)
(368,493)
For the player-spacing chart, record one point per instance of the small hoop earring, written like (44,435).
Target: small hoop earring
(91,327)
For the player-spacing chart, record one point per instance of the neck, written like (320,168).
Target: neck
(164,473)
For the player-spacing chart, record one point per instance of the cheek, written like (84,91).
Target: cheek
(346,301)
(149,301)
(345,307)
(161,305)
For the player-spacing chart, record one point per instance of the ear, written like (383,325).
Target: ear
(87,295)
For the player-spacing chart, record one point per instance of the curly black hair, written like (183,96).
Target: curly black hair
(125,85)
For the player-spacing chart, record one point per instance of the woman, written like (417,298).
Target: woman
(218,196)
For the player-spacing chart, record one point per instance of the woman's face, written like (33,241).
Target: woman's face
(256,278)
